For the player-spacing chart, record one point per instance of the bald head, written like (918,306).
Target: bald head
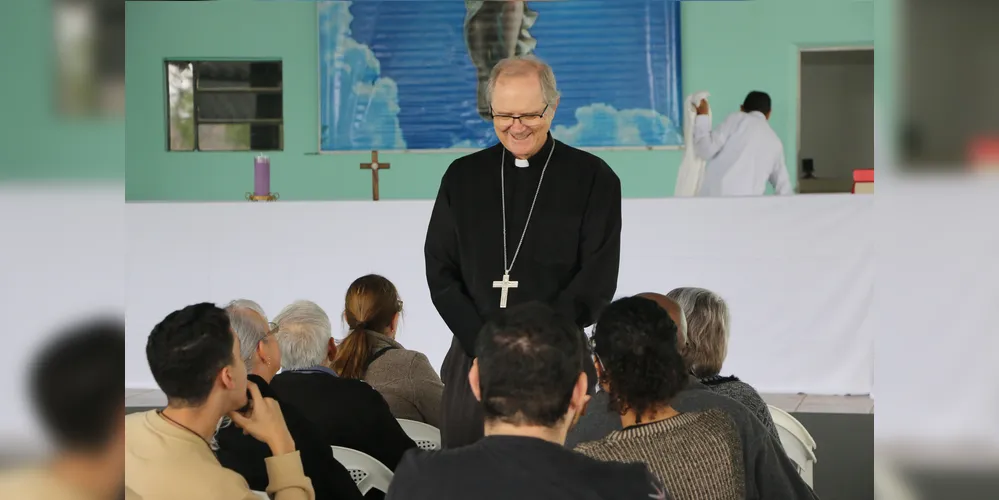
(675,313)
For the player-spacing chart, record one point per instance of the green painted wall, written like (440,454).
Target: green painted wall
(35,142)
(729,48)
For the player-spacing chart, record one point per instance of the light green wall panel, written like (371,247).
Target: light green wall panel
(729,48)
(35,142)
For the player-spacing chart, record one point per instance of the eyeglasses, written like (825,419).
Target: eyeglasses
(272,329)
(528,120)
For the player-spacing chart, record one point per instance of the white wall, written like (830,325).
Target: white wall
(837,114)
(61,252)
(796,271)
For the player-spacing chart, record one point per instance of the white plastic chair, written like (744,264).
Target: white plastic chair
(427,437)
(797,442)
(366,472)
(261,494)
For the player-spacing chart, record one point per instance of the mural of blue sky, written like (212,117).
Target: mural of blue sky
(408,75)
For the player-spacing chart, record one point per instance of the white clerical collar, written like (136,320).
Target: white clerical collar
(521,163)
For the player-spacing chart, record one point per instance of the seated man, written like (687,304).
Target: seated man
(346,412)
(195,358)
(528,375)
(246,455)
(78,391)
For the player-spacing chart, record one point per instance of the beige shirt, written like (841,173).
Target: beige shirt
(164,462)
(406,380)
(38,484)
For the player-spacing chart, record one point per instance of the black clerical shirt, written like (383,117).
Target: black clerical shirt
(570,253)
(520,468)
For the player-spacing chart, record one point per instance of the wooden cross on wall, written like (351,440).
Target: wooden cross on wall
(374,166)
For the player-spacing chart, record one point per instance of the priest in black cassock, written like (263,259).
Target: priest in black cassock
(530,218)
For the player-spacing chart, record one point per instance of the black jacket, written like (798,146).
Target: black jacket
(245,455)
(347,413)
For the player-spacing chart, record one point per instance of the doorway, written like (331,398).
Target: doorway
(835,118)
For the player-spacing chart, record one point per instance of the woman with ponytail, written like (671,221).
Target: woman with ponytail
(372,309)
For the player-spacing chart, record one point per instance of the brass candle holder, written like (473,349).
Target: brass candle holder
(262,197)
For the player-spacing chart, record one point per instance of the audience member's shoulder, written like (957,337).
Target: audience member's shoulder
(587,448)
(358,391)
(630,480)
(137,421)
(422,471)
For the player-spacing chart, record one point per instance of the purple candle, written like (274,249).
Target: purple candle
(262,176)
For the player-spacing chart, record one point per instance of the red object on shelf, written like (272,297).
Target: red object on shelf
(863,176)
(984,152)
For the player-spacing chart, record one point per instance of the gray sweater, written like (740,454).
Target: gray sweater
(745,394)
(709,467)
(406,380)
(769,474)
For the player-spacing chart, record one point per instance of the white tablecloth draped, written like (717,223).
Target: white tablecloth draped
(797,272)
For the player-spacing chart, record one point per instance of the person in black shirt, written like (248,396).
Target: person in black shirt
(347,413)
(243,453)
(534,210)
(529,378)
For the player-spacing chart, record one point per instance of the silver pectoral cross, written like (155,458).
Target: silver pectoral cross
(505,285)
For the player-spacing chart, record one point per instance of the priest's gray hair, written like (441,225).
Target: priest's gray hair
(304,332)
(521,65)
(249,323)
(708,322)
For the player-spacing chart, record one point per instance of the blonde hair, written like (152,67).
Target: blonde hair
(707,329)
(371,303)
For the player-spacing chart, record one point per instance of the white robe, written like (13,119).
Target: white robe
(743,155)
(688,179)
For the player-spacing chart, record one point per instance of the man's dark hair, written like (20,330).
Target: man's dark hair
(77,383)
(635,341)
(186,351)
(757,101)
(529,359)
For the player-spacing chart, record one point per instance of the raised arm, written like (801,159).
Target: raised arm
(594,285)
(447,289)
(707,142)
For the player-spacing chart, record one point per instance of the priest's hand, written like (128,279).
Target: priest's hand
(703,108)
(265,422)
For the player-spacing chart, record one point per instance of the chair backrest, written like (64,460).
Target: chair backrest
(366,472)
(797,442)
(261,494)
(427,437)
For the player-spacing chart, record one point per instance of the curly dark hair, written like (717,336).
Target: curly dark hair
(635,342)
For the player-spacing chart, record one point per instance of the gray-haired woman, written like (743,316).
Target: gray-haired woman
(707,345)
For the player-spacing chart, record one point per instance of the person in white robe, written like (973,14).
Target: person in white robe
(743,154)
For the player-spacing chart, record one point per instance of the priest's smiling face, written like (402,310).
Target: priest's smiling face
(520,115)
